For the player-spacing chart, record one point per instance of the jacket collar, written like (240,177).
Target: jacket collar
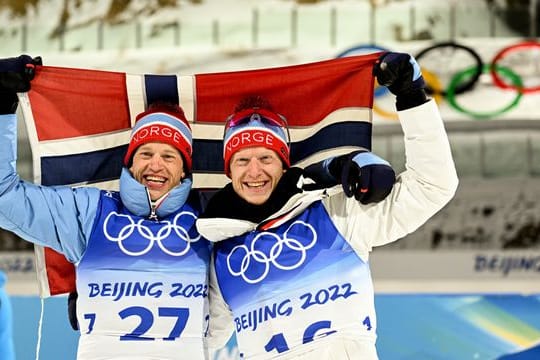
(220,222)
(136,199)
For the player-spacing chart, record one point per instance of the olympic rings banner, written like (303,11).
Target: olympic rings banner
(499,81)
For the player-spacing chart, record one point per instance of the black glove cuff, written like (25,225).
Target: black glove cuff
(336,165)
(411,99)
(319,173)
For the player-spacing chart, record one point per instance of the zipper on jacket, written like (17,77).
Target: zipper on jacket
(153,206)
(153,216)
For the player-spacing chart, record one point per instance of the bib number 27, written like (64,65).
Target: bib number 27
(146,320)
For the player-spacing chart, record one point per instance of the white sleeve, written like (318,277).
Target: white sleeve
(428,183)
(221,326)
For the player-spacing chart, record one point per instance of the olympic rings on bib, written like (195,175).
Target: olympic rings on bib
(269,251)
(462,76)
(172,238)
(506,53)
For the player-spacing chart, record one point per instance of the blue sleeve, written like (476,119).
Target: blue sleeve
(58,217)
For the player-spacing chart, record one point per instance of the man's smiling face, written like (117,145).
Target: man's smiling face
(158,166)
(255,173)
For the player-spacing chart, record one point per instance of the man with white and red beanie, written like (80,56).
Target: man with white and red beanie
(290,273)
(141,265)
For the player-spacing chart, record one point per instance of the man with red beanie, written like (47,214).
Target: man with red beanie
(290,273)
(141,265)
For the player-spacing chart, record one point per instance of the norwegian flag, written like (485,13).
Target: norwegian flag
(79,121)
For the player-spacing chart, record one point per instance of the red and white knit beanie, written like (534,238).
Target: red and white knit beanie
(162,124)
(254,123)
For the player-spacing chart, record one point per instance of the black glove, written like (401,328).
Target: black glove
(362,174)
(15,76)
(401,74)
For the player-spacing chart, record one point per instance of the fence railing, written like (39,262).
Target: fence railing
(285,26)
